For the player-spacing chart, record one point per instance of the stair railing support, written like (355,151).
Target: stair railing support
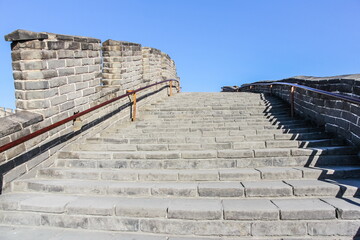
(170,85)
(292,102)
(133,112)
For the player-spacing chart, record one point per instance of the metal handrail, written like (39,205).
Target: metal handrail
(292,93)
(330,94)
(77,115)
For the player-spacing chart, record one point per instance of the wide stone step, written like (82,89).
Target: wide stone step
(240,174)
(323,208)
(215,163)
(209,154)
(249,135)
(141,218)
(105,144)
(230,189)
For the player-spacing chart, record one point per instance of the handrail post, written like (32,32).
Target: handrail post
(133,112)
(292,102)
(170,85)
(178,87)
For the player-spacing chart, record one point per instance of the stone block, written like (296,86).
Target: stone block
(222,228)
(199,154)
(220,189)
(113,224)
(20,35)
(203,175)
(267,189)
(171,189)
(9,126)
(20,218)
(314,188)
(162,155)
(67,89)
(346,208)
(142,207)
(54,64)
(130,189)
(249,145)
(52,204)
(92,206)
(334,228)
(239,174)
(36,85)
(66,71)
(235,153)
(272,152)
(195,209)
(56,45)
(279,228)
(304,209)
(250,209)
(271,173)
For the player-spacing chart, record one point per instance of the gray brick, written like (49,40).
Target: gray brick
(272,152)
(279,228)
(66,71)
(54,64)
(267,189)
(195,209)
(313,188)
(331,228)
(250,209)
(346,208)
(141,207)
(53,204)
(220,189)
(235,153)
(222,228)
(239,174)
(178,189)
(304,209)
(92,206)
(113,224)
(280,173)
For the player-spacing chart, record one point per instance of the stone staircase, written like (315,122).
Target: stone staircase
(198,166)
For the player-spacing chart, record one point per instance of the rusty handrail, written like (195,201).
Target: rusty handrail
(330,94)
(292,93)
(77,115)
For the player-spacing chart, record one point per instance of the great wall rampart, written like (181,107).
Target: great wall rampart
(57,76)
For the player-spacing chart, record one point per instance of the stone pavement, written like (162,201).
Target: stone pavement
(197,166)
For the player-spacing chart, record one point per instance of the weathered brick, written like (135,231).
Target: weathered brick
(54,64)
(65,54)
(66,71)
(36,85)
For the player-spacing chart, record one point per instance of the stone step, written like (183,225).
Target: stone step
(69,207)
(216,163)
(240,174)
(250,135)
(193,189)
(104,144)
(208,154)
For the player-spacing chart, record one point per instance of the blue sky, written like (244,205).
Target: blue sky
(214,43)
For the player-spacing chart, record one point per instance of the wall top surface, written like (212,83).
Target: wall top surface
(22,35)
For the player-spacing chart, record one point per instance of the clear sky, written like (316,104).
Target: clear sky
(213,42)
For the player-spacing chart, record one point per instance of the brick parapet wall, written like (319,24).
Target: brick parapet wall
(152,64)
(57,76)
(336,116)
(122,63)
(6,112)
